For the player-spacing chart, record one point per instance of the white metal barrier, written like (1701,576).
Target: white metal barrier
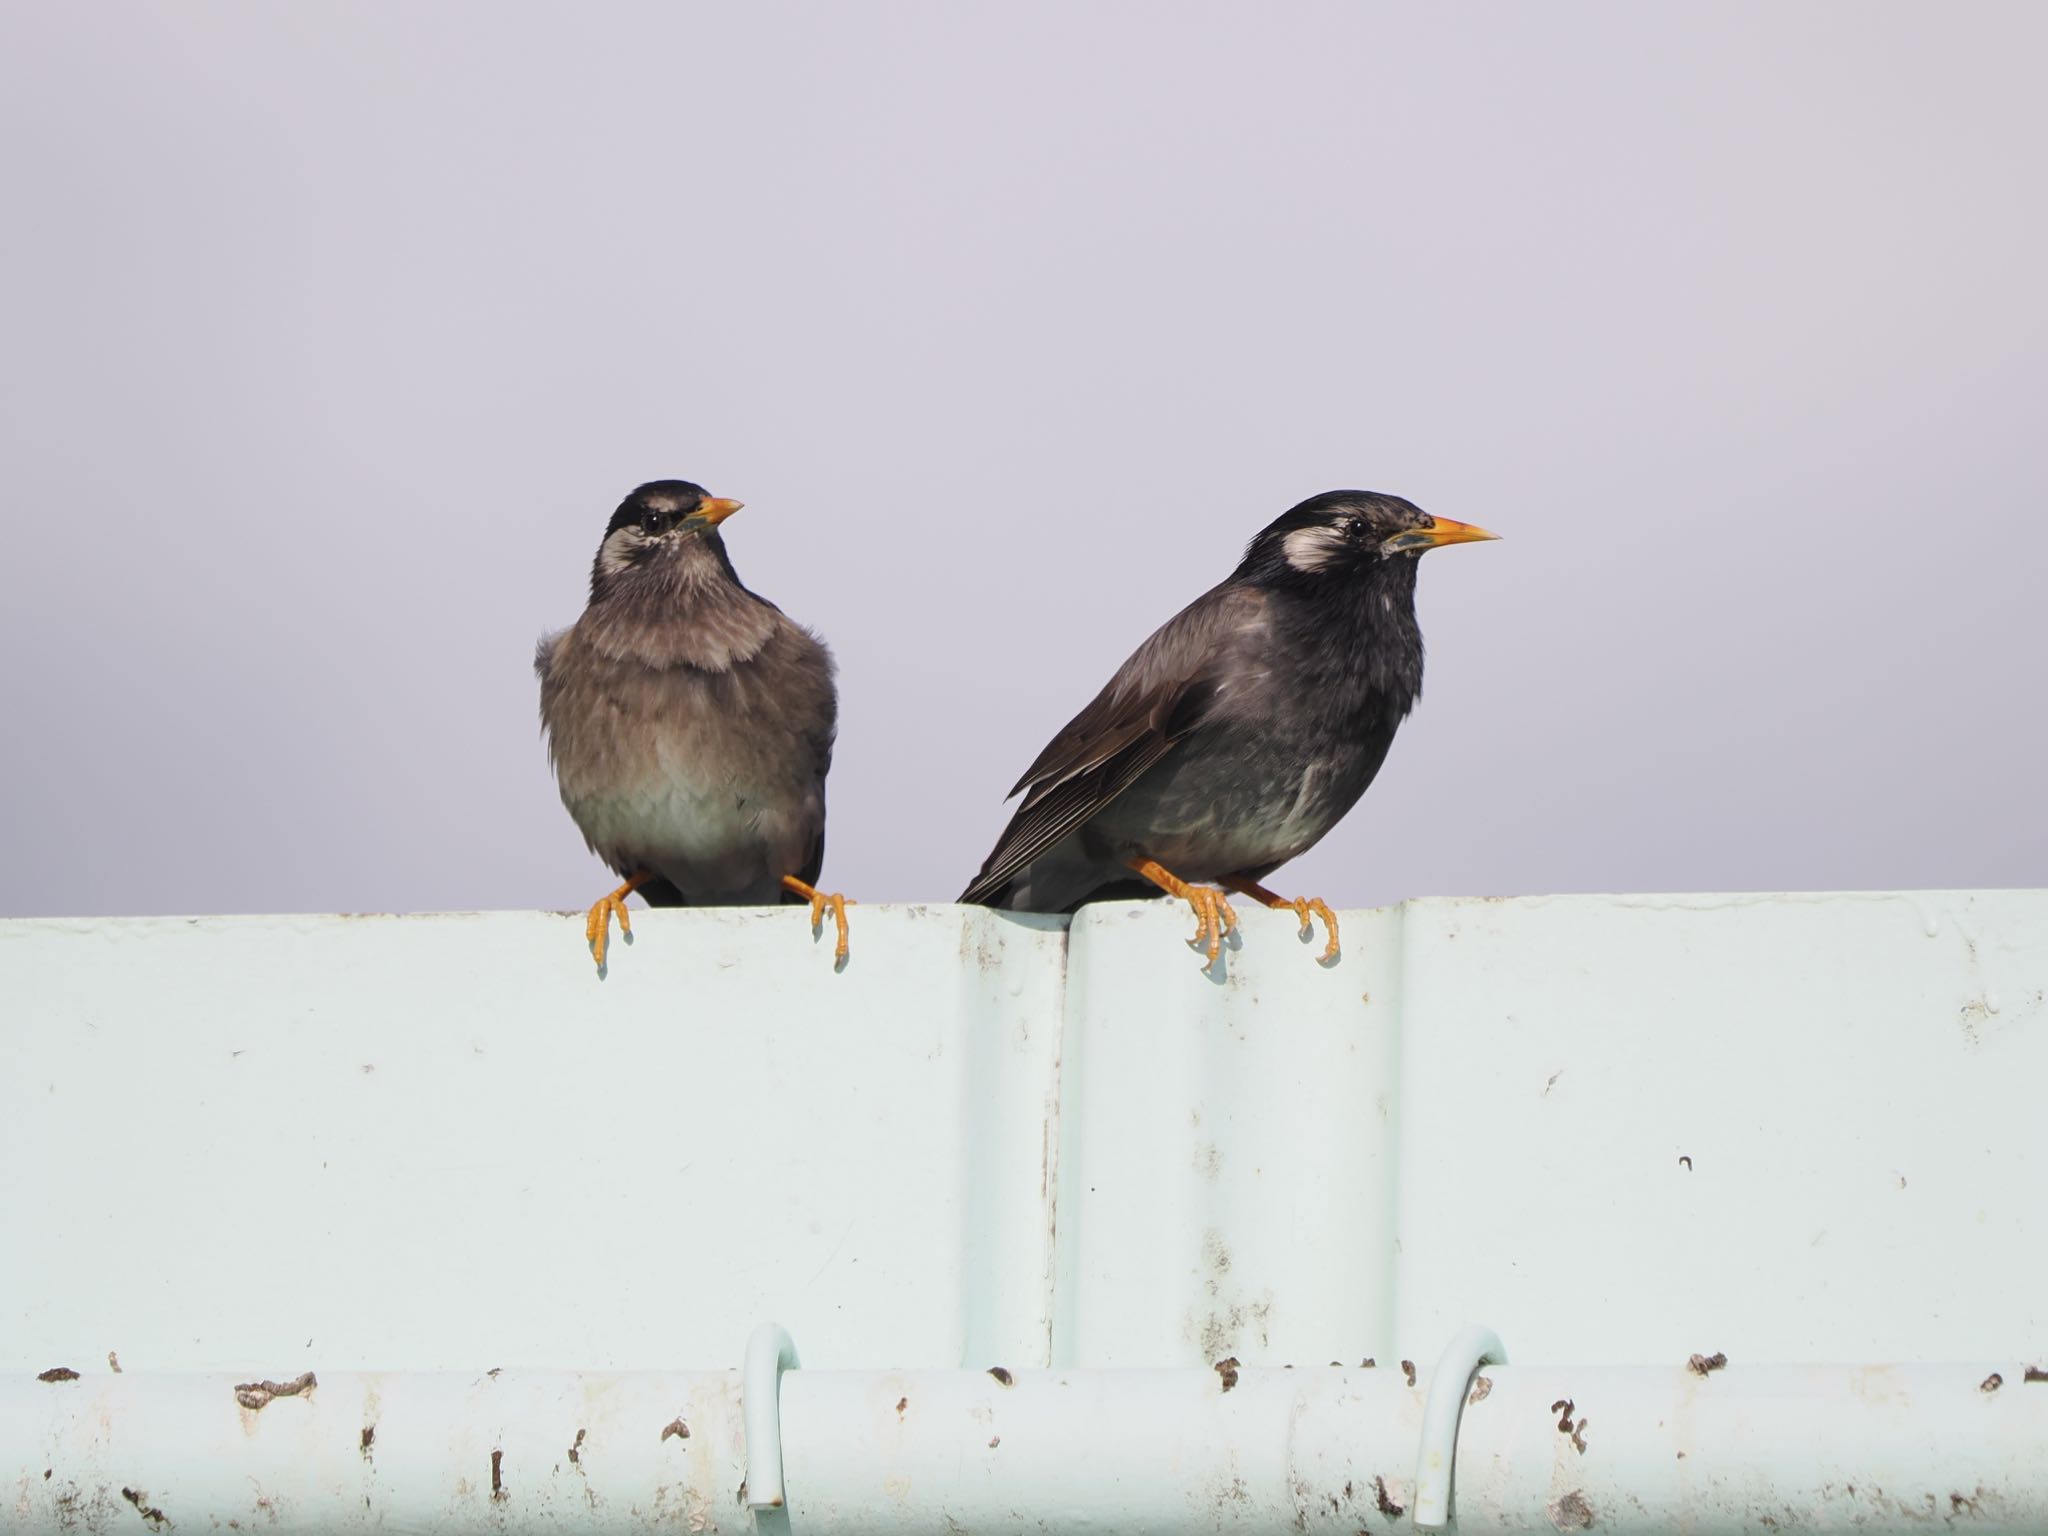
(1619,1449)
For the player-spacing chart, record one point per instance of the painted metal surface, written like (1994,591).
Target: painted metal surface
(1313,1452)
(1621,1131)
(507,1450)
(1614,1128)
(1785,1127)
(265,1145)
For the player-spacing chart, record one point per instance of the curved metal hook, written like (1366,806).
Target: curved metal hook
(1472,1348)
(770,1352)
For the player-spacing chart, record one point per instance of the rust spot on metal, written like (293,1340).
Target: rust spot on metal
(492,1372)
(1571,1512)
(369,1439)
(1564,1408)
(1368,1363)
(498,1475)
(148,1511)
(1385,1500)
(2035,1373)
(113,1362)
(58,1373)
(1408,1370)
(1481,1386)
(1706,1365)
(994,1441)
(1227,1369)
(1002,1376)
(255,1394)
(1959,1504)
(1685,1162)
(576,1449)
(675,1428)
(1991,1383)
(902,1404)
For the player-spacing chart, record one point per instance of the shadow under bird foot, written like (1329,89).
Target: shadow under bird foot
(1302,907)
(819,901)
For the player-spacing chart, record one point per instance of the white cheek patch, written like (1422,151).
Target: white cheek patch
(616,553)
(1310,549)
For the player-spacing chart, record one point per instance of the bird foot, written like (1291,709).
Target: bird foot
(1214,918)
(1306,908)
(819,901)
(1213,915)
(1303,906)
(597,927)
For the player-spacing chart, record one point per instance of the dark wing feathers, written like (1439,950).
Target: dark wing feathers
(1162,692)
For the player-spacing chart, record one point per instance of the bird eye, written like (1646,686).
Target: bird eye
(655,522)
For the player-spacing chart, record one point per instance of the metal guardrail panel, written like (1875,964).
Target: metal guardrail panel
(1787,1127)
(264,1144)
(439,1143)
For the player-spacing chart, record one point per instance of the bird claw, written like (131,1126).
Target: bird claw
(1214,918)
(1305,905)
(597,927)
(838,904)
(819,901)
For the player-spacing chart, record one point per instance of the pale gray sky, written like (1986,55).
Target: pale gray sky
(333,334)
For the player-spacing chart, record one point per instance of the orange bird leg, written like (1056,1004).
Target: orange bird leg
(597,928)
(1212,909)
(819,901)
(1300,906)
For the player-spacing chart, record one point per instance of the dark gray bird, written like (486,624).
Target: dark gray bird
(690,722)
(1240,732)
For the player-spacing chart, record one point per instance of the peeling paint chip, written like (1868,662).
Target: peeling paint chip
(1571,1512)
(148,1511)
(58,1373)
(1408,1370)
(1227,1369)
(1385,1500)
(674,1427)
(1991,1383)
(1704,1365)
(1481,1385)
(254,1394)
(1002,1376)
